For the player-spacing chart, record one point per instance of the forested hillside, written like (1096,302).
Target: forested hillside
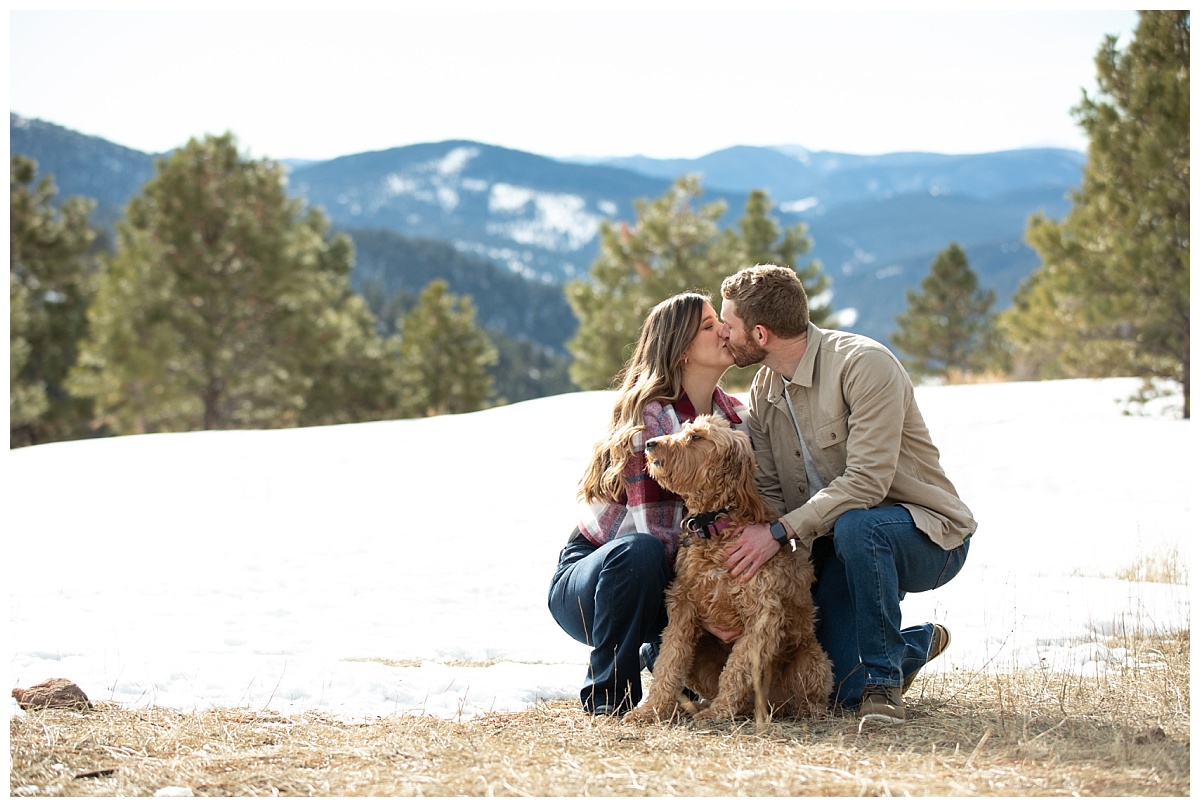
(388,264)
(528,322)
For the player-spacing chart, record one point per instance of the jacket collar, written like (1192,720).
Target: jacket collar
(804,371)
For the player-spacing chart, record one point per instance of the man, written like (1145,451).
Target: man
(843,453)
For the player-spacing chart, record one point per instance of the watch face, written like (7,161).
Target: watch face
(778,531)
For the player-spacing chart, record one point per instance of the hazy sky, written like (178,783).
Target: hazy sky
(661,79)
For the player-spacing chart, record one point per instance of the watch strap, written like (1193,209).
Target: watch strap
(779,533)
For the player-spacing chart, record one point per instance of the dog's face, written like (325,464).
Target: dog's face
(703,462)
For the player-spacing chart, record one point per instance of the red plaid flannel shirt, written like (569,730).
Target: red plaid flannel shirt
(645,507)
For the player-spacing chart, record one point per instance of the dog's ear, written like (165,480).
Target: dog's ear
(740,475)
(739,471)
(734,456)
(719,420)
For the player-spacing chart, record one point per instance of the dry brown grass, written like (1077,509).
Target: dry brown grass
(1162,566)
(969,733)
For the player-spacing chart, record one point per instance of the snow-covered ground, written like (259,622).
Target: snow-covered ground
(401,567)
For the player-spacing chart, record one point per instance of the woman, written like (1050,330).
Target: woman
(607,591)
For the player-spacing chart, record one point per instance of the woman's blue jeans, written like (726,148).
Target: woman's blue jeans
(864,569)
(612,598)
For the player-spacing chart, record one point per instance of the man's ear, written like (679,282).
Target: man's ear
(761,335)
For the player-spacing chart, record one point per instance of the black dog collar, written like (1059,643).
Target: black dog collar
(707,525)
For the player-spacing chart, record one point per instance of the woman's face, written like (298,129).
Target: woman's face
(708,348)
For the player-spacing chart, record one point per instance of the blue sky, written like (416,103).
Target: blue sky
(663,79)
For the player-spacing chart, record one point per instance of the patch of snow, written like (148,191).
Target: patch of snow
(506,198)
(397,184)
(226,569)
(799,205)
(558,221)
(447,198)
(456,160)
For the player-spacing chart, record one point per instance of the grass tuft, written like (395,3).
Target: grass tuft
(1164,566)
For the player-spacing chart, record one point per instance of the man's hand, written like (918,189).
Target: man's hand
(754,547)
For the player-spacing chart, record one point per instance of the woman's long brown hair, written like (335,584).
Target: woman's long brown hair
(653,373)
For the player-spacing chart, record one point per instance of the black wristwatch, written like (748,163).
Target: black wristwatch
(779,533)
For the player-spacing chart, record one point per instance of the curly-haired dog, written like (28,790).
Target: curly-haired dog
(776,663)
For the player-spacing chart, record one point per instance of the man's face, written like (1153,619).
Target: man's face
(743,346)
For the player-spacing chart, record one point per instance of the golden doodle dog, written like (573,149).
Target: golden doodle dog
(776,666)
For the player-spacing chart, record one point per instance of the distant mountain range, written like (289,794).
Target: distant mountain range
(877,222)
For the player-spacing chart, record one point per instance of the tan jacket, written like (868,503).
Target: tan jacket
(854,403)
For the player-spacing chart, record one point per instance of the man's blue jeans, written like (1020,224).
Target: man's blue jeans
(612,598)
(864,569)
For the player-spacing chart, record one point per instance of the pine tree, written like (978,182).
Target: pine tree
(1113,294)
(525,370)
(675,245)
(445,356)
(948,329)
(757,241)
(352,368)
(27,400)
(226,305)
(667,251)
(50,285)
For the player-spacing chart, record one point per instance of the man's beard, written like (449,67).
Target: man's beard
(745,355)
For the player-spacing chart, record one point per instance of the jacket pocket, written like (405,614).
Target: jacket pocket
(833,432)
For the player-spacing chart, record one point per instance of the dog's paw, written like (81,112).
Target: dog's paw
(647,714)
(641,714)
(687,706)
(713,715)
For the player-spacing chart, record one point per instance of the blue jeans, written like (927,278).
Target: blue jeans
(612,598)
(864,569)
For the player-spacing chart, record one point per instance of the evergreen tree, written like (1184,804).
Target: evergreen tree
(353,370)
(674,246)
(1113,294)
(226,306)
(669,250)
(26,401)
(758,241)
(445,356)
(387,309)
(49,287)
(948,329)
(525,370)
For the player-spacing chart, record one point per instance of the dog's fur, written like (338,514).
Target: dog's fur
(776,664)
